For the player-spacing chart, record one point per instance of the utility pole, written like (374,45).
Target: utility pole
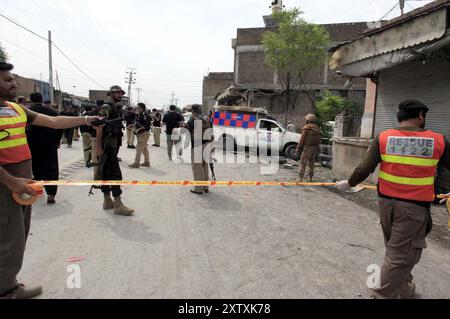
(60,102)
(50,67)
(139,94)
(41,85)
(130,80)
(173,98)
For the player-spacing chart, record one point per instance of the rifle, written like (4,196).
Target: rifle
(98,176)
(103,121)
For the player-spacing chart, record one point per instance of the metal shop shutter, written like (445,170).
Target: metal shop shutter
(429,82)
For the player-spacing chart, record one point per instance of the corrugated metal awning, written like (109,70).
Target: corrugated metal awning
(392,59)
(420,30)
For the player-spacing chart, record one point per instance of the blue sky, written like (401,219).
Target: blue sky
(172,44)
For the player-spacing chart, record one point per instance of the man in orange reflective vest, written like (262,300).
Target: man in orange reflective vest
(15,176)
(409,157)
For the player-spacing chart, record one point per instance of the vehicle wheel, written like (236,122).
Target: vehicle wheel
(228,143)
(291,152)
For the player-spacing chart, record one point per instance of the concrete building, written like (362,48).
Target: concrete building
(27,86)
(98,95)
(258,80)
(405,58)
(62,100)
(213,85)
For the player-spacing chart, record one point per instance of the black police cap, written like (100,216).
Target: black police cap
(413,105)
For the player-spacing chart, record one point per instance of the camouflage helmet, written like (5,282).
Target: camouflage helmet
(115,88)
(311,118)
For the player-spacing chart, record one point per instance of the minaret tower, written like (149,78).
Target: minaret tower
(276,6)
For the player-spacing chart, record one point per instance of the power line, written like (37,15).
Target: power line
(12,21)
(22,48)
(56,47)
(35,55)
(76,66)
(393,8)
(22,9)
(398,4)
(173,81)
(82,36)
(106,37)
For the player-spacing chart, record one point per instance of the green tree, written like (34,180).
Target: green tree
(329,106)
(3,55)
(293,50)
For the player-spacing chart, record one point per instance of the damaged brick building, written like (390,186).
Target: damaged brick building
(257,83)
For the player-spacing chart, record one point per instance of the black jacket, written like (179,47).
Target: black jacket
(172,120)
(42,136)
(130,118)
(157,119)
(143,122)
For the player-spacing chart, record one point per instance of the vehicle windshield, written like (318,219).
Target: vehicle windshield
(270,126)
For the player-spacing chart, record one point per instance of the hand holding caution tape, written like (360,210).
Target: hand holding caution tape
(343,186)
(445,198)
(24,191)
(21,186)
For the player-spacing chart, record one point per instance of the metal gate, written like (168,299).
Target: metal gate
(429,83)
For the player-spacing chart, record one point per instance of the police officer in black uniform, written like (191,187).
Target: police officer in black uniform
(108,137)
(142,131)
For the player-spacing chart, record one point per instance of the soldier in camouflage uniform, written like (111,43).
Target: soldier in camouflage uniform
(308,146)
(108,137)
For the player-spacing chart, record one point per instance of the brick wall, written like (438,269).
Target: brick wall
(253,69)
(276,106)
(26,86)
(213,84)
(96,95)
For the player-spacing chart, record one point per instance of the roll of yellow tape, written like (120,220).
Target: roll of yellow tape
(28,200)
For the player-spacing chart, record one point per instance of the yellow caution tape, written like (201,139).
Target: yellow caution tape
(27,200)
(448,205)
(184,183)
(38,185)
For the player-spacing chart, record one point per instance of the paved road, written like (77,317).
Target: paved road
(232,243)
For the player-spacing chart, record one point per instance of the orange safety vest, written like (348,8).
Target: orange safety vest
(13,139)
(409,164)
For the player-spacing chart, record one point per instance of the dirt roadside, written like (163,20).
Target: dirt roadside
(369,199)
